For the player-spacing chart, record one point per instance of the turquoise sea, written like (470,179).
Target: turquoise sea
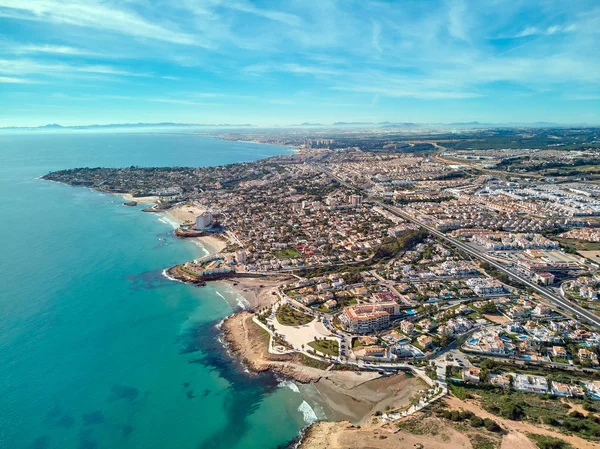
(97,348)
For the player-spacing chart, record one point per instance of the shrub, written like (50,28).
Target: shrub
(476,421)
(491,425)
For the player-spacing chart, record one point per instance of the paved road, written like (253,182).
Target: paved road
(578,311)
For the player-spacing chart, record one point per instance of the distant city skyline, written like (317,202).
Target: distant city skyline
(283,63)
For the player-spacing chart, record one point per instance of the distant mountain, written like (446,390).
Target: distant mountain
(475,123)
(352,123)
(131,125)
(309,124)
(399,125)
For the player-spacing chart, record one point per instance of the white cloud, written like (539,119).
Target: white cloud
(32,67)
(95,15)
(545,31)
(49,49)
(14,80)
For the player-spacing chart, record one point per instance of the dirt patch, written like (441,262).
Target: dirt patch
(328,435)
(496,318)
(513,440)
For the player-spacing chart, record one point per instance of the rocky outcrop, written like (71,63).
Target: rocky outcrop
(248,342)
(182,232)
(130,203)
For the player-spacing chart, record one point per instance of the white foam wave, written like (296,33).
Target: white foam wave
(168,221)
(308,413)
(239,300)
(169,277)
(220,295)
(289,384)
(202,247)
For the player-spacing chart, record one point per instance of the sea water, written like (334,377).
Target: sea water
(97,348)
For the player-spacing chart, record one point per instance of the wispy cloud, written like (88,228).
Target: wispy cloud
(257,52)
(49,49)
(545,31)
(94,15)
(32,67)
(14,80)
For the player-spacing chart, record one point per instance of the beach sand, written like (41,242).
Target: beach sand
(185,214)
(139,200)
(259,292)
(212,243)
(357,403)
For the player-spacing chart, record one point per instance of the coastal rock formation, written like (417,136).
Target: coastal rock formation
(181,232)
(130,203)
(248,342)
(181,274)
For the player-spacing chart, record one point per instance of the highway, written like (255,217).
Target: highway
(576,310)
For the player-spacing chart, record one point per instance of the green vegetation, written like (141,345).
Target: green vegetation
(537,409)
(474,420)
(328,347)
(313,363)
(575,245)
(489,307)
(454,372)
(287,253)
(502,277)
(546,442)
(288,316)
(394,245)
(482,442)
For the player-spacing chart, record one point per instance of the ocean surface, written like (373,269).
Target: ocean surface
(97,348)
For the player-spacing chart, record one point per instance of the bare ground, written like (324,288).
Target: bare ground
(342,435)
(517,430)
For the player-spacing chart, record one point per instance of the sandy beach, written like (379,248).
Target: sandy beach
(357,403)
(213,244)
(139,200)
(185,214)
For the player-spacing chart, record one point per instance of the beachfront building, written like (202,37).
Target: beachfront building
(204,221)
(365,318)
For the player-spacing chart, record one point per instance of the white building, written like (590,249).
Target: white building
(204,220)
(530,384)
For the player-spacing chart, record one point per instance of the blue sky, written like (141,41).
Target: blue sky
(293,61)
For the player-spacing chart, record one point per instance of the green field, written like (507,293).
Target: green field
(578,245)
(288,316)
(287,253)
(330,347)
